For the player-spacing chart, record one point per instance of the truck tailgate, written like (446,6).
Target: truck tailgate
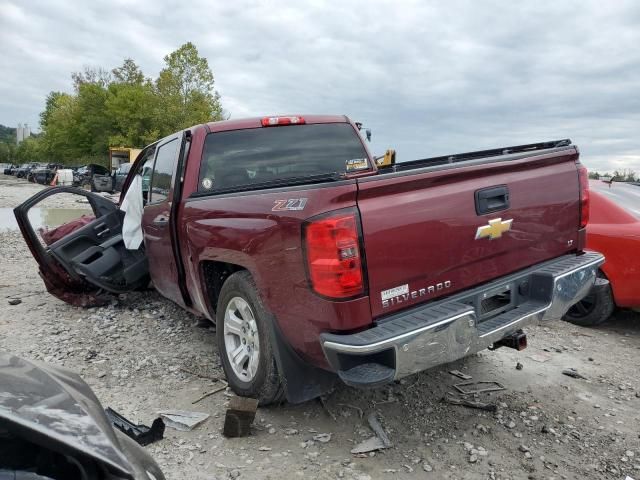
(423,229)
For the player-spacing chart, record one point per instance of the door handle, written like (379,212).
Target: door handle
(492,199)
(101,230)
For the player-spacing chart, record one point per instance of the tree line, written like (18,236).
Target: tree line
(120,107)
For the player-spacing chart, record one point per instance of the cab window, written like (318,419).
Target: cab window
(255,156)
(163,171)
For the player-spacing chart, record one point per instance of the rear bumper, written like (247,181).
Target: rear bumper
(447,330)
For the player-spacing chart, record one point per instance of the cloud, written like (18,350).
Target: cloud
(429,78)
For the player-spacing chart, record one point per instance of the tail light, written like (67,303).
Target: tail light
(277,121)
(334,259)
(583,176)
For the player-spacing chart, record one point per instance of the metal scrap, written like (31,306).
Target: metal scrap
(369,445)
(459,374)
(378,442)
(490,407)
(182,419)
(375,425)
(140,433)
(491,386)
(573,373)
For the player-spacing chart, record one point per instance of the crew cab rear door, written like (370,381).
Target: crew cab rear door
(80,259)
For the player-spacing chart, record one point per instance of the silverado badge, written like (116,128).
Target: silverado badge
(495,229)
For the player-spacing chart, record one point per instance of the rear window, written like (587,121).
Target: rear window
(253,156)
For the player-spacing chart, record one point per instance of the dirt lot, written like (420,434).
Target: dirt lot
(134,354)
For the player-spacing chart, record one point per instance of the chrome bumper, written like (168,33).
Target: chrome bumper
(448,330)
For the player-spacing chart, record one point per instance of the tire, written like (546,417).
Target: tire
(248,376)
(594,309)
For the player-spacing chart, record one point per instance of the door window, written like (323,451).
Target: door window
(163,171)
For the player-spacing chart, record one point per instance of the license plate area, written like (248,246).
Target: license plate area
(495,301)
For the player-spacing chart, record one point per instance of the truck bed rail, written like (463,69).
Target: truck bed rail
(461,157)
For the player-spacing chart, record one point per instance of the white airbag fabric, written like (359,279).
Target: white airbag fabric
(133,206)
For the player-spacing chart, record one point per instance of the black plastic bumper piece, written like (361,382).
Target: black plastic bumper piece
(140,433)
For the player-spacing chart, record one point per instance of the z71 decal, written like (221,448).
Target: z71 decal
(290,204)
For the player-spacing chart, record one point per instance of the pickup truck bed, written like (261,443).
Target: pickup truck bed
(313,262)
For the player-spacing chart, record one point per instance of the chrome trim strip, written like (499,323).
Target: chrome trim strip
(343,348)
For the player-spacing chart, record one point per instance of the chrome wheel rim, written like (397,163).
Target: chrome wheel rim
(241,339)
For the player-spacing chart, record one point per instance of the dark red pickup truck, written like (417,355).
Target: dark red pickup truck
(315,264)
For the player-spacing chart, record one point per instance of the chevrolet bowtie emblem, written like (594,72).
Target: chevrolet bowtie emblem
(495,229)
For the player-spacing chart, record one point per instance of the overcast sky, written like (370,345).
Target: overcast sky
(429,78)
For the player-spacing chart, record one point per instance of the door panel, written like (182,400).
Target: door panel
(96,253)
(80,258)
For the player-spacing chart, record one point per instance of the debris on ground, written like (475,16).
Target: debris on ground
(201,375)
(212,392)
(378,442)
(459,374)
(519,366)
(322,437)
(371,444)
(376,426)
(322,400)
(473,388)
(573,373)
(140,433)
(239,417)
(490,407)
(15,301)
(182,419)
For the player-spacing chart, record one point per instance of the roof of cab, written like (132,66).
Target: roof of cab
(255,122)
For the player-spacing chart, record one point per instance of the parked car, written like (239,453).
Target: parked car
(9,169)
(316,265)
(54,428)
(614,230)
(45,174)
(120,176)
(83,175)
(25,168)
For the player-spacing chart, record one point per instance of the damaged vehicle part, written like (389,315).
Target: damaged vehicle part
(140,433)
(53,427)
(83,259)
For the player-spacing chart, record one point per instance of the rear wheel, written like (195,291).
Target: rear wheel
(243,330)
(593,309)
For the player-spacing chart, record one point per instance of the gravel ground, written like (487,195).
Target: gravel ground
(136,354)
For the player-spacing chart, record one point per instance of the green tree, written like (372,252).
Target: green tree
(58,132)
(594,175)
(122,107)
(5,154)
(92,125)
(128,73)
(30,150)
(49,107)
(97,76)
(185,91)
(131,106)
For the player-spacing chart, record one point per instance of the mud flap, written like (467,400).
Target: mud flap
(302,382)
